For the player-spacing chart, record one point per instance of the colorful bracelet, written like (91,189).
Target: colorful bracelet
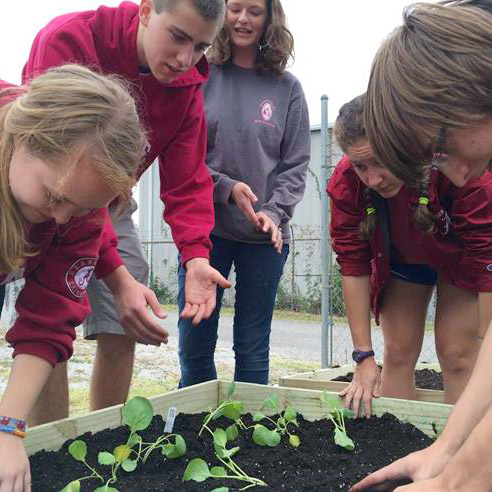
(13,426)
(370,210)
(423,200)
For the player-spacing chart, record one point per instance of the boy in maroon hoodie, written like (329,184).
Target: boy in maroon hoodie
(159,47)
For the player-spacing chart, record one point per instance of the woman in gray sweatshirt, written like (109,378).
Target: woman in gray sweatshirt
(258,152)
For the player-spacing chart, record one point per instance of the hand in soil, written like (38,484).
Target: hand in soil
(15,472)
(418,466)
(365,385)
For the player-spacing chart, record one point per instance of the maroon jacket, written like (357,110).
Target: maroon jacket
(460,250)
(53,301)
(106,39)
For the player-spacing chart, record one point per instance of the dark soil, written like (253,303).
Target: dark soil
(316,465)
(424,379)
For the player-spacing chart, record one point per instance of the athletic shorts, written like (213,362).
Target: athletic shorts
(415,273)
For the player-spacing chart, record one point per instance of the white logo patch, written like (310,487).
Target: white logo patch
(267,109)
(79,274)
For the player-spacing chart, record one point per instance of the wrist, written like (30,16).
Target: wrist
(360,355)
(196,262)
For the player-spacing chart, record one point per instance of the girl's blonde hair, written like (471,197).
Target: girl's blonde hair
(67,111)
(349,129)
(275,49)
(432,74)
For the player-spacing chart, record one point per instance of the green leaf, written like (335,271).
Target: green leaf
(281,422)
(129,465)
(218,471)
(78,450)
(72,487)
(258,416)
(221,489)
(343,440)
(106,488)
(220,437)
(133,440)
(231,389)
(271,403)
(294,422)
(122,453)
(294,440)
(176,450)
(106,458)
(232,432)
(331,400)
(196,470)
(265,437)
(229,453)
(137,413)
(346,412)
(290,413)
(233,410)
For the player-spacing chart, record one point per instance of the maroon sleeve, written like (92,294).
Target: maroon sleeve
(54,301)
(109,258)
(186,185)
(347,212)
(64,40)
(471,219)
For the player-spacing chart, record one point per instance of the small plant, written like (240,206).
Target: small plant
(337,413)
(271,437)
(137,414)
(198,469)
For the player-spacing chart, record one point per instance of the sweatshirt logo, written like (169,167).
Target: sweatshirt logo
(267,109)
(79,274)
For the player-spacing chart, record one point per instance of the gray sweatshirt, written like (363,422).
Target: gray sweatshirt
(258,133)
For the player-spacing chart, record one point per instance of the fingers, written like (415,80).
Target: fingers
(268,226)
(155,305)
(220,280)
(143,328)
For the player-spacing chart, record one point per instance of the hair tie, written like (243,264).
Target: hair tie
(423,200)
(370,210)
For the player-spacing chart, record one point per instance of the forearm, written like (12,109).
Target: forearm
(470,468)
(116,280)
(473,404)
(27,378)
(357,298)
(484,312)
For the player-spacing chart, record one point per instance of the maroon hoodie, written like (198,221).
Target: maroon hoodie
(460,249)
(106,39)
(53,301)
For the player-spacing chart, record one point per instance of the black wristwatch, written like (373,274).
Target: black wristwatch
(360,355)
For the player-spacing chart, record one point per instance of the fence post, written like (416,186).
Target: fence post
(326,349)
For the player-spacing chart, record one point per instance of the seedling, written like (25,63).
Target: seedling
(337,413)
(271,437)
(232,409)
(137,414)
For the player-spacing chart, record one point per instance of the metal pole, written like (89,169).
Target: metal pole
(150,201)
(325,261)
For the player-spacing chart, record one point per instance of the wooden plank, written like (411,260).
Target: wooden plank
(51,436)
(206,396)
(433,396)
(334,372)
(421,414)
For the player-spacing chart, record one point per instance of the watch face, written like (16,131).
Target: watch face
(356,355)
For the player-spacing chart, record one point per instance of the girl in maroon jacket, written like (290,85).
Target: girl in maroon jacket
(70,143)
(393,244)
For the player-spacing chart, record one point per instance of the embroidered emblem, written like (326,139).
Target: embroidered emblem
(79,274)
(267,109)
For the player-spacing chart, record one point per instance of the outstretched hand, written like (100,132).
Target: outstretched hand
(244,198)
(201,289)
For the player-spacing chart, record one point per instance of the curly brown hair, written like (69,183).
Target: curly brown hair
(275,49)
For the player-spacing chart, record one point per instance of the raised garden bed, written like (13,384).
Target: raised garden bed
(316,464)
(428,381)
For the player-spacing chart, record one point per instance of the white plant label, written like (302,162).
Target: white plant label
(171,416)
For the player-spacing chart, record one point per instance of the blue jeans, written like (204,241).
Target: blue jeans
(2,297)
(258,271)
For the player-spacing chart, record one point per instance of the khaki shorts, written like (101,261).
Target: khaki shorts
(104,318)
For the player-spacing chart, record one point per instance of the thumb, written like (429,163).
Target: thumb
(220,280)
(155,305)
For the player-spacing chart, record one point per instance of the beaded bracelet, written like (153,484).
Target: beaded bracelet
(13,426)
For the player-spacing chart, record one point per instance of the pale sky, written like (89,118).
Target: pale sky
(335,41)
